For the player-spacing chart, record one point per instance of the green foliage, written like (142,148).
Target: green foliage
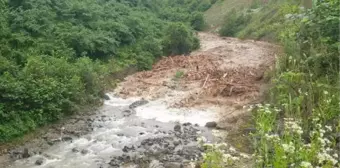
(179,74)
(299,126)
(265,22)
(197,21)
(179,39)
(302,128)
(55,55)
(234,22)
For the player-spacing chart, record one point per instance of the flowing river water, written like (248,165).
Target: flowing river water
(224,75)
(131,133)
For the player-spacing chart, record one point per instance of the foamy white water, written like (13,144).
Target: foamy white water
(110,136)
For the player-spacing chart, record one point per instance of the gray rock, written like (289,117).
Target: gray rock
(177,128)
(39,162)
(75,150)
(128,112)
(212,124)
(106,97)
(138,103)
(53,141)
(177,142)
(114,163)
(84,151)
(66,138)
(249,130)
(173,165)
(25,154)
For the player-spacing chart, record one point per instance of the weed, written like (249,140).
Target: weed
(179,74)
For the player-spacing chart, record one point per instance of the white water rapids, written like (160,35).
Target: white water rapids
(112,134)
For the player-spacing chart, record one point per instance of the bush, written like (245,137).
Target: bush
(197,21)
(179,39)
(234,22)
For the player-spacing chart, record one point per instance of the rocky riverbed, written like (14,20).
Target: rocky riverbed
(123,134)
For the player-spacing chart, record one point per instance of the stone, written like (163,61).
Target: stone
(39,161)
(114,163)
(212,124)
(177,142)
(177,128)
(120,134)
(127,149)
(75,150)
(128,112)
(249,130)
(25,154)
(84,151)
(187,124)
(173,165)
(66,138)
(106,97)
(138,103)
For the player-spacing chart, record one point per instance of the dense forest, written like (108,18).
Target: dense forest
(55,55)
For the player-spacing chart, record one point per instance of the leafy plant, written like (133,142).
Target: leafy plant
(179,74)
(179,39)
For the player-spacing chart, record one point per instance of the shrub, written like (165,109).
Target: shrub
(179,39)
(197,21)
(234,22)
(179,74)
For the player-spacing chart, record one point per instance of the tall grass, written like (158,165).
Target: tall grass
(300,125)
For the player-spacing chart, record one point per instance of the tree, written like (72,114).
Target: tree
(179,39)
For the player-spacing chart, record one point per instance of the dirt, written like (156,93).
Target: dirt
(227,73)
(222,77)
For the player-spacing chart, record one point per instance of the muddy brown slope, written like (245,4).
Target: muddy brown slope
(225,72)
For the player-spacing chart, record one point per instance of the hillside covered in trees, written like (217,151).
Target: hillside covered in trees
(55,55)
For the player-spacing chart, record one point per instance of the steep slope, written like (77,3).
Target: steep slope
(216,14)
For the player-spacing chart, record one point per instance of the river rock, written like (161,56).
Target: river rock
(84,151)
(25,154)
(138,103)
(128,149)
(66,138)
(39,161)
(173,165)
(75,150)
(212,124)
(187,124)
(106,97)
(156,164)
(176,142)
(114,163)
(128,112)
(177,128)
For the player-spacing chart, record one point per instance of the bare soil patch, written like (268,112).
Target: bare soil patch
(225,72)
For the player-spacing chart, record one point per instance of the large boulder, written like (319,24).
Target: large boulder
(39,161)
(25,153)
(212,124)
(138,103)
